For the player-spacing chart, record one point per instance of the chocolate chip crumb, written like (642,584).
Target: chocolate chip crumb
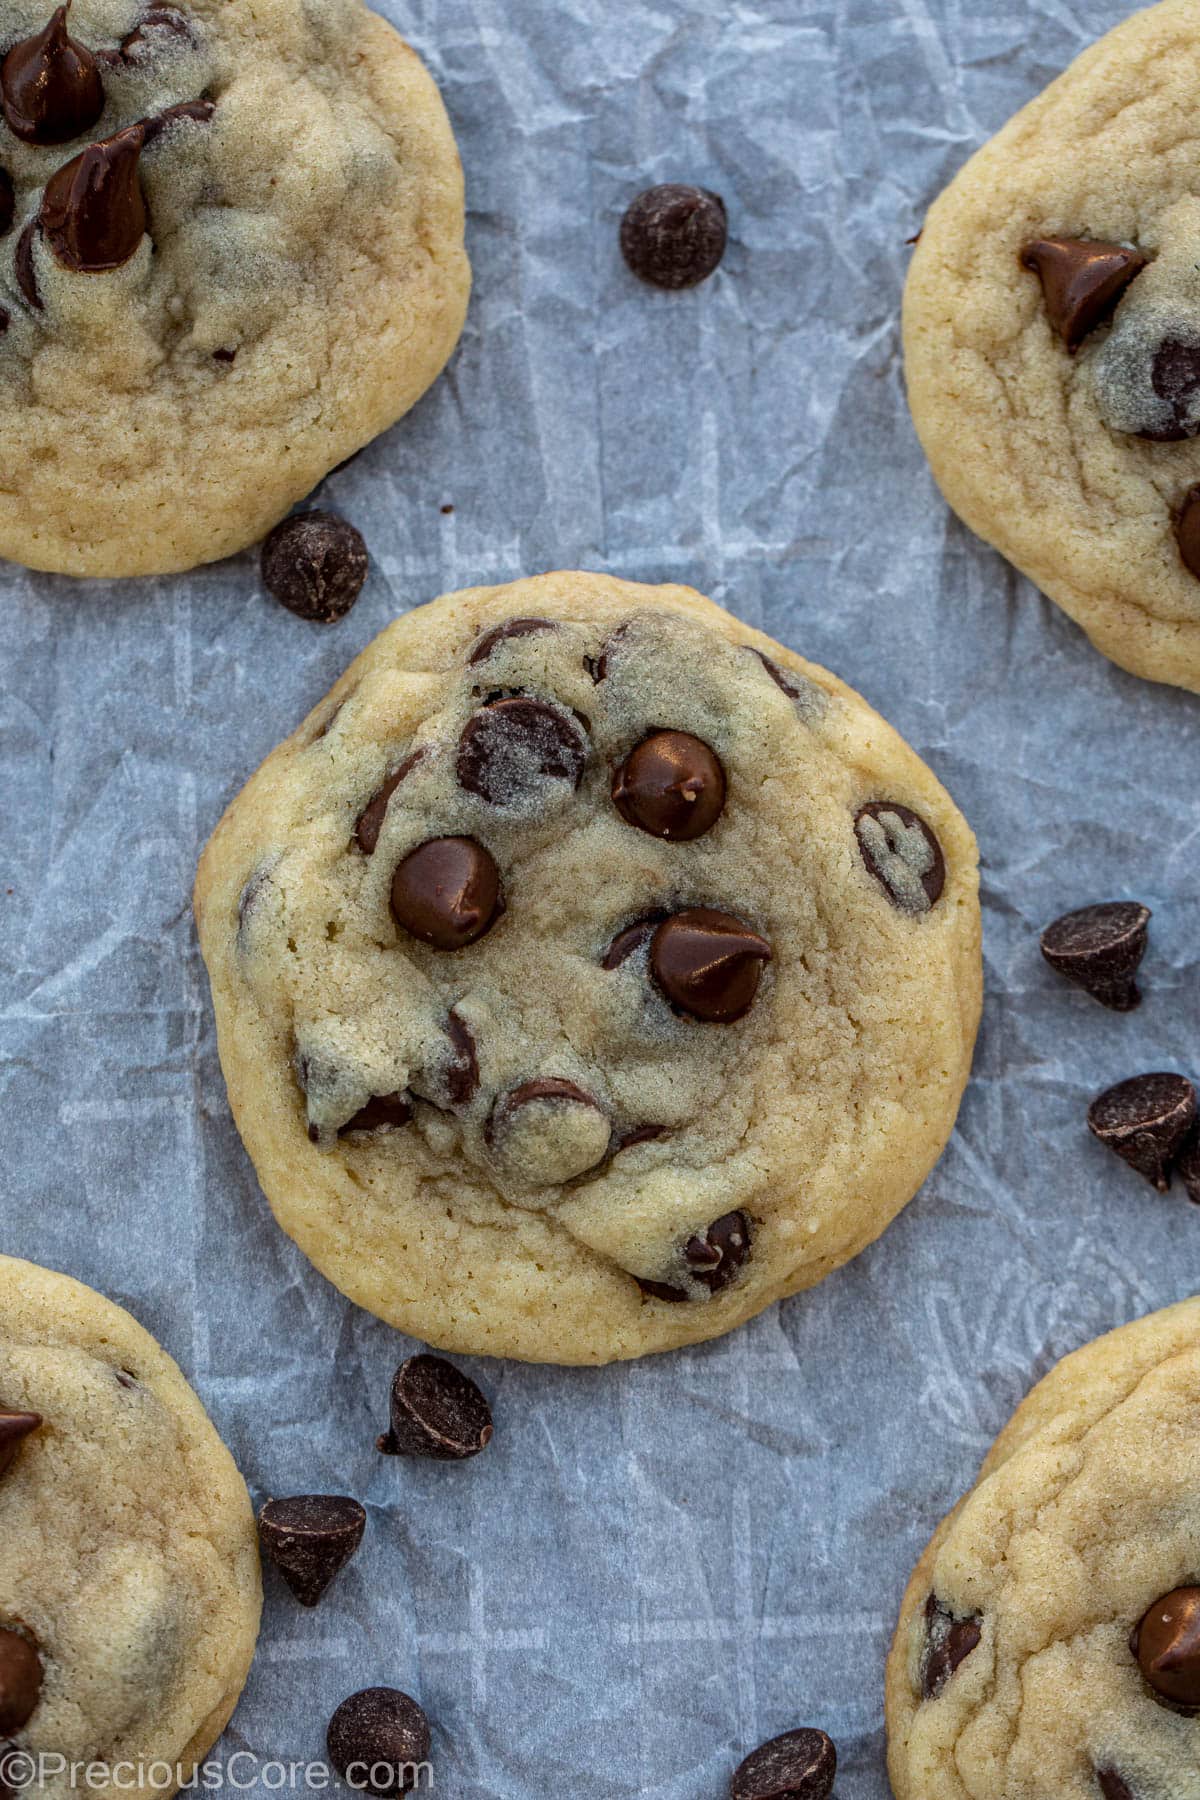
(310,1538)
(437,1412)
(798,1765)
(1099,948)
(378,1741)
(674,235)
(315,565)
(1146,1120)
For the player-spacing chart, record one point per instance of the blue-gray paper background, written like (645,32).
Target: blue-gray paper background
(653,1566)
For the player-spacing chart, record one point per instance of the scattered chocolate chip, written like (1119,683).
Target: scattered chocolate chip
(799,1765)
(513,744)
(383,1112)
(23,264)
(51,86)
(903,855)
(1175,378)
(1166,1643)
(948,1643)
(1099,948)
(500,634)
(93,213)
(315,565)
(1111,1785)
(15,1427)
(1082,280)
(715,1258)
(567,1135)
(462,1075)
(1187,531)
(20,1680)
(158,28)
(8,203)
(310,1538)
(436,1411)
(674,236)
(671,786)
(370,820)
(788,683)
(1145,1120)
(378,1741)
(446,892)
(708,963)
(631,939)
(196,112)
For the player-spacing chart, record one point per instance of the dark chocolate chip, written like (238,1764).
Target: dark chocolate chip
(512,745)
(446,892)
(370,820)
(159,28)
(1146,1120)
(948,1643)
(224,356)
(1166,1642)
(23,264)
(15,1427)
(462,1075)
(1112,1786)
(383,1112)
(20,1680)
(249,898)
(197,112)
(715,1258)
(708,963)
(8,203)
(631,939)
(500,634)
(1175,378)
(126,1378)
(1187,1165)
(567,1161)
(310,1538)
(51,86)
(436,1411)
(638,1134)
(788,683)
(5,320)
(903,855)
(315,565)
(662,1290)
(1187,531)
(378,1741)
(1082,280)
(1099,948)
(671,786)
(674,236)
(799,1765)
(93,213)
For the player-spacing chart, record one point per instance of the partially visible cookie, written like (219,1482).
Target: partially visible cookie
(589,971)
(1052,342)
(1049,1641)
(129,1577)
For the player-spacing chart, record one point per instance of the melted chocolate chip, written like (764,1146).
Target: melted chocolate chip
(159,28)
(310,1538)
(315,564)
(93,213)
(23,264)
(370,820)
(1112,1786)
(948,1643)
(903,855)
(378,1740)
(1175,378)
(1187,531)
(8,203)
(631,939)
(1099,948)
(1146,1120)
(462,1075)
(715,1258)
(383,1112)
(787,682)
(1082,280)
(514,744)
(500,634)
(671,786)
(674,236)
(436,1411)
(198,112)
(15,1427)
(799,1765)
(20,1680)
(50,86)
(1166,1643)
(446,892)
(708,963)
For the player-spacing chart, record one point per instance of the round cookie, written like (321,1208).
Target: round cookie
(1052,342)
(1048,1633)
(589,971)
(242,261)
(129,1577)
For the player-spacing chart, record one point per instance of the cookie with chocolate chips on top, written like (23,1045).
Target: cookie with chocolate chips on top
(589,972)
(231,253)
(129,1573)
(1049,1641)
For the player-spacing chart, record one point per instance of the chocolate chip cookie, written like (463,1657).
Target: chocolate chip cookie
(1052,343)
(589,971)
(231,253)
(129,1579)
(1049,1641)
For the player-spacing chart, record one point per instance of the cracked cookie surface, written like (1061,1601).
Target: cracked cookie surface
(226,281)
(1052,1627)
(589,971)
(128,1553)
(1052,341)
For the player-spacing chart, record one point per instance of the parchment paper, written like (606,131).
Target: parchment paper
(654,1566)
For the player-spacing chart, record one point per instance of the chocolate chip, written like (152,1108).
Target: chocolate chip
(1166,1643)
(673,236)
(8,203)
(1187,531)
(93,213)
(548,1131)
(1082,280)
(315,565)
(513,744)
(671,786)
(15,1427)
(662,1290)
(462,1075)
(51,86)
(1187,1165)
(788,683)
(1111,1785)
(378,1740)
(1099,948)
(799,1765)
(370,820)
(158,29)
(638,1134)
(631,939)
(196,112)
(446,892)
(1175,378)
(948,1643)
(1145,1120)
(708,963)
(715,1258)
(310,1538)
(383,1112)
(436,1411)
(500,634)
(903,855)
(20,1680)
(23,267)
